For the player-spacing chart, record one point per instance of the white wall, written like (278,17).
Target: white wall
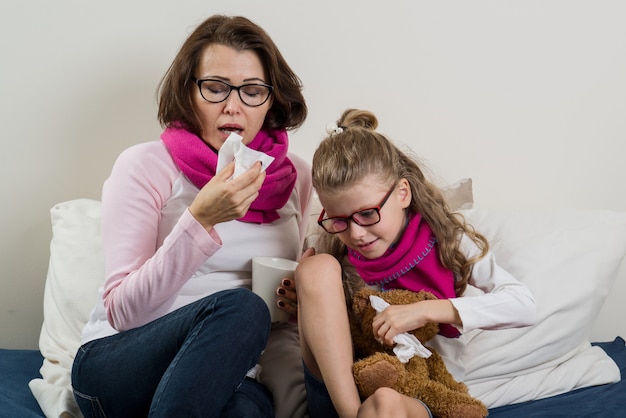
(527,97)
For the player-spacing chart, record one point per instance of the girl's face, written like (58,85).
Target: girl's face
(218,120)
(370,241)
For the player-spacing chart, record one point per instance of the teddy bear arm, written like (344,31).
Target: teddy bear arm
(416,377)
(439,372)
(447,403)
(376,371)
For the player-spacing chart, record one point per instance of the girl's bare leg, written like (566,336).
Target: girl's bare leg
(325,330)
(386,402)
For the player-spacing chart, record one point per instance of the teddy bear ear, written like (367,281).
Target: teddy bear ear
(365,292)
(424,295)
(361,300)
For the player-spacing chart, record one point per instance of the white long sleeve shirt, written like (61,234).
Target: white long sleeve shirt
(494,298)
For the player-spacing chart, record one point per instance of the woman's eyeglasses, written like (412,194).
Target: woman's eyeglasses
(216,91)
(364,217)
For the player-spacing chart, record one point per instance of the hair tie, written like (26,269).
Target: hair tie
(333,129)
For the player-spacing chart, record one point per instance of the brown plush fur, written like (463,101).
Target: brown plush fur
(426,379)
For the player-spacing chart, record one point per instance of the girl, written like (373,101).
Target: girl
(380,214)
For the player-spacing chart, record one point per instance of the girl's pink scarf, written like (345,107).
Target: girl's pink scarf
(198,161)
(413,264)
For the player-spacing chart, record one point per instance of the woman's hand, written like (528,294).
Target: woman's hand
(222,200)
(287,298)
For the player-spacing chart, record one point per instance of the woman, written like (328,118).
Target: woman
(175,331)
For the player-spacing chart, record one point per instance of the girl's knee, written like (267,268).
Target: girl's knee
(316,270)
(386,402)
(384,397)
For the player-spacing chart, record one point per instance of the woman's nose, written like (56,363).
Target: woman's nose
(233,102)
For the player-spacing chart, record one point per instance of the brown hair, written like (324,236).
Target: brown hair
(288,110)
(357,150)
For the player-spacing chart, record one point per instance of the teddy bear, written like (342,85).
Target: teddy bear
(426,379)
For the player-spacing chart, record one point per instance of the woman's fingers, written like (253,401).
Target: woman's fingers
(222,199)
(287,298)
(287,291)
(308,252)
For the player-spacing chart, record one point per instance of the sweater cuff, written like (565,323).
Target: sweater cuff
(209,241)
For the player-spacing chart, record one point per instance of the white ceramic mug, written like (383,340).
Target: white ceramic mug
(267,275)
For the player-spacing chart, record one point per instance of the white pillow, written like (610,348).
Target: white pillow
(459,195)
(569,259)
(75,272)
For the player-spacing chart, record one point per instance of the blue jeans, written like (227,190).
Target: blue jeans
(189,363)
(318,399)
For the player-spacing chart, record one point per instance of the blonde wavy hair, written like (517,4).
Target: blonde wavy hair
(355,151)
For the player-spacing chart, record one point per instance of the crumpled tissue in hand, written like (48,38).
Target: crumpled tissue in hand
(234,149)
(407,345)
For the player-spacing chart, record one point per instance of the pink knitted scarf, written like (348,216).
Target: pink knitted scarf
(413,264)
(198,162)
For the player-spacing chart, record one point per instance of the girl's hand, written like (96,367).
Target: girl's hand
(222,200)
(287,298)
(396,319)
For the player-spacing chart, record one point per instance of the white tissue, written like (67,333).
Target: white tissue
(407,345)
(234,149)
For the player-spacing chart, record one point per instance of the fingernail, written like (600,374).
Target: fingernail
(286,282)
(281,291)
(281,303)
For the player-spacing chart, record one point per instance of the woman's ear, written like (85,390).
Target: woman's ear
(404,193)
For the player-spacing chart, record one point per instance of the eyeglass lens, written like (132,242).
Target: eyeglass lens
(365,217)
(216,91)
